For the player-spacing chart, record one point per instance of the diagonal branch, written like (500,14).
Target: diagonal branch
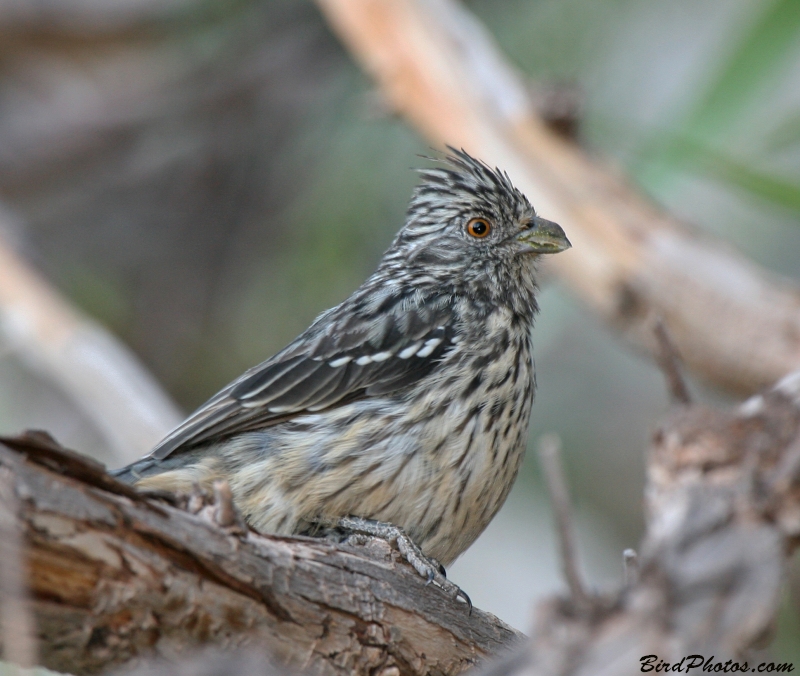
(99,374)
(734,324)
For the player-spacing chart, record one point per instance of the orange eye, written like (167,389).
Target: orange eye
(479,227)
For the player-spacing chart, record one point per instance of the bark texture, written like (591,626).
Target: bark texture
(723,503)
(115,576)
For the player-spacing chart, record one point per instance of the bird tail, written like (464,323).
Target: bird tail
(130,474)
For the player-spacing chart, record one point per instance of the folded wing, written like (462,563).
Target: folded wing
(327,366)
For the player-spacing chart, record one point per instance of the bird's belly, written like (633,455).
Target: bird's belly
(440,466)
(468,468)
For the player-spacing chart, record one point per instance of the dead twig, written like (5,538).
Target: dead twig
(669,361)
(550,458)
(630,567)
(721,528)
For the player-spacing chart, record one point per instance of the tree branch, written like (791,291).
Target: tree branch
(669,361)
(734,324)
(99,374)
(723,517)
(116,576)
(550,460)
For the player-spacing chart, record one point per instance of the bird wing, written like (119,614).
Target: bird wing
(328,365)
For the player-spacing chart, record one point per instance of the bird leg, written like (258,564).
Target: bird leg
(355,530)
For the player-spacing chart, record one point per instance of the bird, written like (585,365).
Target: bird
(402,412)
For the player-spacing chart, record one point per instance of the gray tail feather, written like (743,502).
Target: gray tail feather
(130,474)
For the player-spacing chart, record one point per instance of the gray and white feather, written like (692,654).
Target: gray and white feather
(409,402)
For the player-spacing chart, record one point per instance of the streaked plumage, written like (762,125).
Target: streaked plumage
(407,403)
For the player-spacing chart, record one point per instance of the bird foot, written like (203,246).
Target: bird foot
(355,530)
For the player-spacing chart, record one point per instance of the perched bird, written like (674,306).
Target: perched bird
(402,412)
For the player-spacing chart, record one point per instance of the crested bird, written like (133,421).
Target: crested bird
(403,411)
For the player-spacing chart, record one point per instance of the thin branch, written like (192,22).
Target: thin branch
(630,567)
(550,457)
(669,361)
(721,528)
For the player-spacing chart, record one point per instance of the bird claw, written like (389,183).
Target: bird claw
(426,566)
(462,594)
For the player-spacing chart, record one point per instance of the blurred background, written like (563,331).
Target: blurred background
(203,177)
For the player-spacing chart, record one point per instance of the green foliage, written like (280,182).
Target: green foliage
(728,132)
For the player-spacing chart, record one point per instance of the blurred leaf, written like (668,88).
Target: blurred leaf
(760,59)
(701,158)
(101,296)
(786,135)
(774,189)
(786,645)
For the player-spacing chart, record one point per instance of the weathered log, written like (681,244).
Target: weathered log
(723,500)
(114,576)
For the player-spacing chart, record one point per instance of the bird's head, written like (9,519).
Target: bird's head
(470,229)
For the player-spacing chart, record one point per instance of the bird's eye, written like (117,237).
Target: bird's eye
(479,227)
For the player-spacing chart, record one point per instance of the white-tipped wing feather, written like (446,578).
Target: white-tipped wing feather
(332,363)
